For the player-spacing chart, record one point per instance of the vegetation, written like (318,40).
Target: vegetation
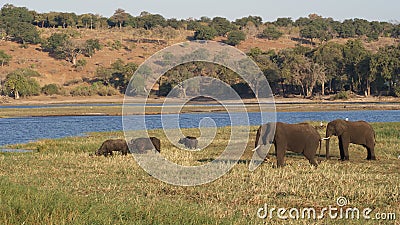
(4,58)
(60,183)
(20,83)
(235,37)
(318,65)
(271,33)
(51,89)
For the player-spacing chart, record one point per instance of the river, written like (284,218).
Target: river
(27,129)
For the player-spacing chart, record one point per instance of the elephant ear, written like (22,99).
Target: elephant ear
(341,127)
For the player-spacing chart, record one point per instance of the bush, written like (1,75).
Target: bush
(396,91)
(271,33)
(205,33)
(82,91)
(51,89)
(343,95)
(235,37)
(95,89)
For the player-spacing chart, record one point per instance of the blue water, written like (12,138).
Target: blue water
(22,130)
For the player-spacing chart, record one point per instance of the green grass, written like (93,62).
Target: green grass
(60,183)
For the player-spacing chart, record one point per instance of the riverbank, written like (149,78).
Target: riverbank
(61,183)
(112,106)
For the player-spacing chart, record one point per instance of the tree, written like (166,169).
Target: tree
(271,33)
(386,64)
(205,33)
(242,22)
(283,22)
(235,37)
(54,45)
(91,46)
(346,29)
(330,56)
(222,26)
(119,17)
(150,21)
(20,83)
(17,23)
(24,33)
(354,52)
(4,58)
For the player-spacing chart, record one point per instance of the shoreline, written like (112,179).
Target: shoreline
(112,106)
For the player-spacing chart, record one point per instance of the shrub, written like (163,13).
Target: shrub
(396,91)
(96,88)
(271,33)
(51,89)
(235,37)
(343,95)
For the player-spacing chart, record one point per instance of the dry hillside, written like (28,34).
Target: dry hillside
(62,72)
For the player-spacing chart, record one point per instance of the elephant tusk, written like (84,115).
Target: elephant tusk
(323,139)
(256,148)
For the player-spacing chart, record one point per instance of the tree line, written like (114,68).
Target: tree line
(17,23)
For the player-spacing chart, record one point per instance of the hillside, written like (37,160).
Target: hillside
(61,72)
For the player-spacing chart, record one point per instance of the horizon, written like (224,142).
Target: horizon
(174,9)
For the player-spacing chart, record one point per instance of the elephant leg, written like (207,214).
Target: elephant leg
(345,144)
(344,149)
(280,155)
(341,149)
(310,155)
(371,153)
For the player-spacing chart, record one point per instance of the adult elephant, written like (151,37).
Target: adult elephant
(356,132)
(301,138)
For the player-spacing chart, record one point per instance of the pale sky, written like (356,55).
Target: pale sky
(269,10)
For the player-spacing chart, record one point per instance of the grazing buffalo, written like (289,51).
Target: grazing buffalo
(111,145)
(140,145)
(189,142)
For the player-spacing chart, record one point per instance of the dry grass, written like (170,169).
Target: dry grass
(63,184)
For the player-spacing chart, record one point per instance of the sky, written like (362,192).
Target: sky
(269,10)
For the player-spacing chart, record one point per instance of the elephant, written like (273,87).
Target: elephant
(189,142)
(356,132)
(140,145)
(111,145)
(301,138)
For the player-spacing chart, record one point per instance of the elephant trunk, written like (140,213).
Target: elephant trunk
(327,137)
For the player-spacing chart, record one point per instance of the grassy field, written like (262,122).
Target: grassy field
(60,183)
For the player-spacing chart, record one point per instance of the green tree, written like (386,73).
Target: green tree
(222,26)
(235,37)
(20,83)
(205,33)
(330,56)
(386,64)
(51,89)
(242,22)
(54,45)
(284,22)
(91,46)
(354,52)
(346,29)
(4,58)
(17,24)
(271,33)
(119,17)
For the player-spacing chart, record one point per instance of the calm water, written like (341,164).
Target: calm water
(22,130)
